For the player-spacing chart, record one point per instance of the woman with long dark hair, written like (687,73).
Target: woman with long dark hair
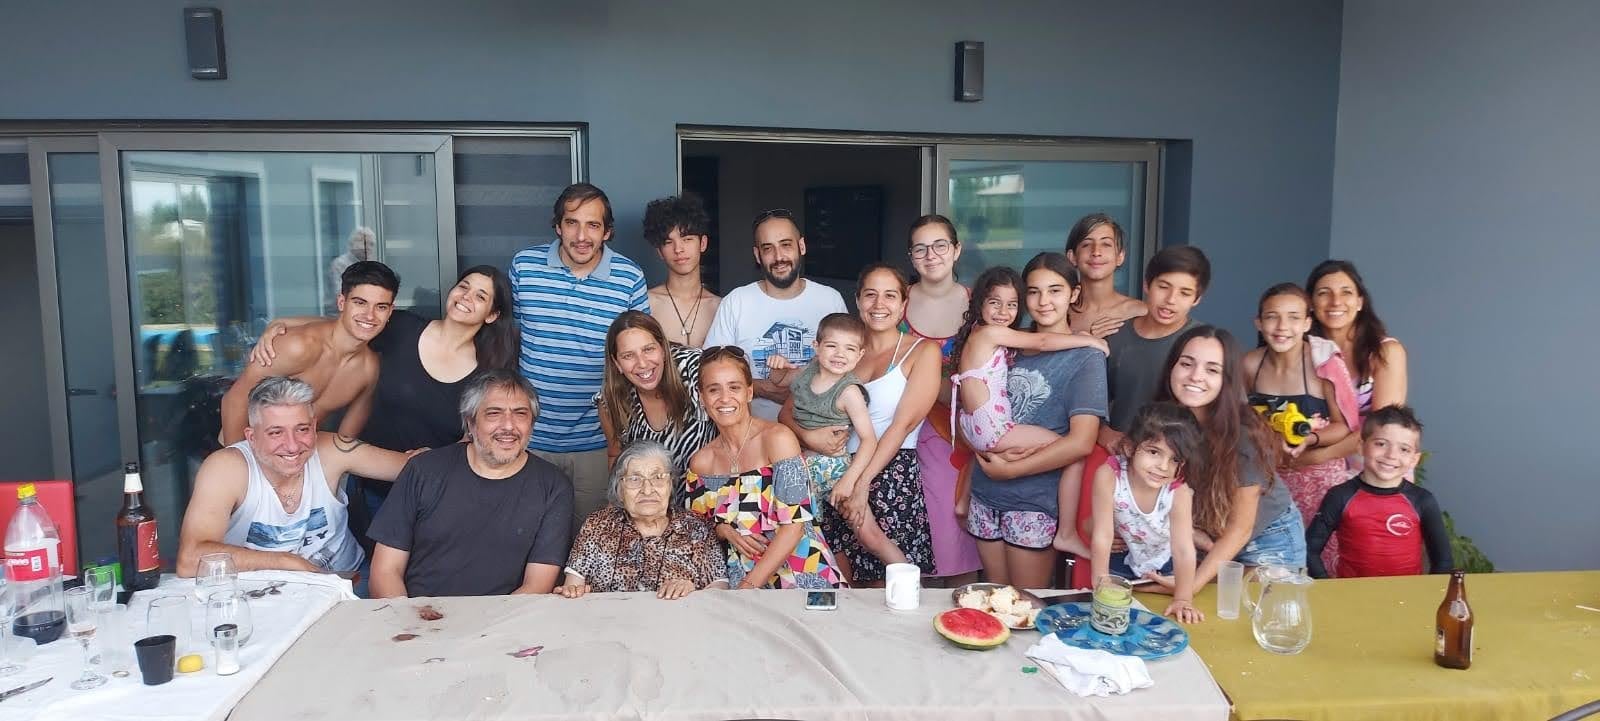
(1343,312)
(1242,511)
(425,363)
(1015,505)
(650,391)
(900,375)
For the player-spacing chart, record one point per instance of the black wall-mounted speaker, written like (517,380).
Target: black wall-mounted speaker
(969,71)
(202,27)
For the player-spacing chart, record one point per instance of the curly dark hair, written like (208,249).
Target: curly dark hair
(683,213)
(988,280)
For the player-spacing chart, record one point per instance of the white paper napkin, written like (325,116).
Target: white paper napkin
(1088,672)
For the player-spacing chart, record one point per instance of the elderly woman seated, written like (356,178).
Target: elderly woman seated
(639,542)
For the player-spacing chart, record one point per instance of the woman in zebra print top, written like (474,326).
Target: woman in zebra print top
(650,392)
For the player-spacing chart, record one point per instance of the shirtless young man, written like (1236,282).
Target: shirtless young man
(679,228)
(1095,246)
(331,355)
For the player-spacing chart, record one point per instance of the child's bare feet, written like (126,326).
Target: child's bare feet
(1067,541)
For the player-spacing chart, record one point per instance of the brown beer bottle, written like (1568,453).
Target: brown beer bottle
(137,548)
(1452,645)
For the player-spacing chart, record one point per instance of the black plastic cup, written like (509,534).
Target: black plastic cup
(156,658)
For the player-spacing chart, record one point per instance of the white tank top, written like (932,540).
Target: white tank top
(883,396)
(317,530)
(1148,535)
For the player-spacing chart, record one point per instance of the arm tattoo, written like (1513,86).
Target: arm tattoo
(346,444)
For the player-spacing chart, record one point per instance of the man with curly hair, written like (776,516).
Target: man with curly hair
(679,228)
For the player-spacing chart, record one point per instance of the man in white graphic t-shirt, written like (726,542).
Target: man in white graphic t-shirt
(777,315)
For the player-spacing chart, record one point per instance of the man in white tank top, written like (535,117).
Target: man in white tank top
(272,501)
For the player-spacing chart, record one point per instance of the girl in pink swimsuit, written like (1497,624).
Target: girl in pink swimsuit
(979,405)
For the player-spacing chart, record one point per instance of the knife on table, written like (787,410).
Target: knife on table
(24,689)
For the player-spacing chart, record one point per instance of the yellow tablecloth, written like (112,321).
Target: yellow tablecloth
(1535,653)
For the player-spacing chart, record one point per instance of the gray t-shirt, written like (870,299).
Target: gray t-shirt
(1134,370)
(1274,501)
(1046,389)
(474,536)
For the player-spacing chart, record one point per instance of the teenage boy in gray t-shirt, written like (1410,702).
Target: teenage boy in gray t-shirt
(1175,279)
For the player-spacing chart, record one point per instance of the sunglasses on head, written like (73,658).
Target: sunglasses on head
(718,351)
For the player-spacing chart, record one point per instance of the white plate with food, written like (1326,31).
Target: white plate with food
(1014,607)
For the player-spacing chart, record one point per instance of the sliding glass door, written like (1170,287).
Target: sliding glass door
(1011,202)
(224,232)
(163,253)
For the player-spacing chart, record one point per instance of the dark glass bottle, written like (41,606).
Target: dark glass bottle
(137,548)
(1452,643)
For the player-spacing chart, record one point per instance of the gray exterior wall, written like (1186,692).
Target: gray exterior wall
(1465,189)
(1253,85)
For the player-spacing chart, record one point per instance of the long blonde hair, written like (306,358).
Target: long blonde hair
(616,391)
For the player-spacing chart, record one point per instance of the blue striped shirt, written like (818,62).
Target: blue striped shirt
(563,319)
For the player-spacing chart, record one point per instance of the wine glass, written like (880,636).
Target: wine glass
(102,585)
(215,573)
(229,607)
(82,617)
(8,612)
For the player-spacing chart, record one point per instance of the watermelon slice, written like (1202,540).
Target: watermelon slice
(971,628)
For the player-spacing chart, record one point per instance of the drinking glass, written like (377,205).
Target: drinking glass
(8,612)
(169,616)
(82,617)
(216,572)
(229,607)
(102,585)
(1230,584)
(116,649)
(1112,605)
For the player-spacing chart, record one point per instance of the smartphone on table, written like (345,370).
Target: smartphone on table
(821,600)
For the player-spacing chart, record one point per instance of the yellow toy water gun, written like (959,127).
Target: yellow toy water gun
(1288,421)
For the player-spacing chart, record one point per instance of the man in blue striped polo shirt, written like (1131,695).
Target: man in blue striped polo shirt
(567,293)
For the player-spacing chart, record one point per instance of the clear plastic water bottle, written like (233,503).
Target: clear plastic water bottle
(33,568)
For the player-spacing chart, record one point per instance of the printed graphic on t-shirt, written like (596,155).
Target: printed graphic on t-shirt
(790,339)
(1028,391)
(308,531)
(1399,524)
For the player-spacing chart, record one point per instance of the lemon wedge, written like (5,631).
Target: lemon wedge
(191,663)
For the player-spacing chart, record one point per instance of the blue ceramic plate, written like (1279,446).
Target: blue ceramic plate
(1149,636)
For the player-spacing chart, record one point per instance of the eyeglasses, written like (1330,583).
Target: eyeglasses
(634,482)
(938,247)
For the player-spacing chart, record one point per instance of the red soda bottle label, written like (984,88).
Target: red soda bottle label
(28,565)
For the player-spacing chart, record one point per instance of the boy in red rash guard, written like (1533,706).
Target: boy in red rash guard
(1383,522)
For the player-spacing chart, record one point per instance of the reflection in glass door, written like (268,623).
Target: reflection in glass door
(1010,203)
(78,338)
(219,242)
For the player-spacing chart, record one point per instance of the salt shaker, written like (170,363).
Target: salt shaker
(225,639)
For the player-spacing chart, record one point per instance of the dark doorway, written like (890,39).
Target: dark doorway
(855,202)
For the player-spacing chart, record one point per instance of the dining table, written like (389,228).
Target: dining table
(714,654)
(283,604)
(1535,651)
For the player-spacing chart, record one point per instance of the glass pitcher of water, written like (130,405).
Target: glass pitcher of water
(1280,617)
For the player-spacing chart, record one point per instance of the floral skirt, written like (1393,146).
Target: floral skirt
(895,499)
(1308,484)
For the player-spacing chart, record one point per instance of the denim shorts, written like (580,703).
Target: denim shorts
(1281,543)
(1119,567)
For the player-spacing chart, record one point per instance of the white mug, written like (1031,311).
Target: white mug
(902,586)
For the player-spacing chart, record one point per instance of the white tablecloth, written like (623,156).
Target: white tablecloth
(712,655)
(278,619)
